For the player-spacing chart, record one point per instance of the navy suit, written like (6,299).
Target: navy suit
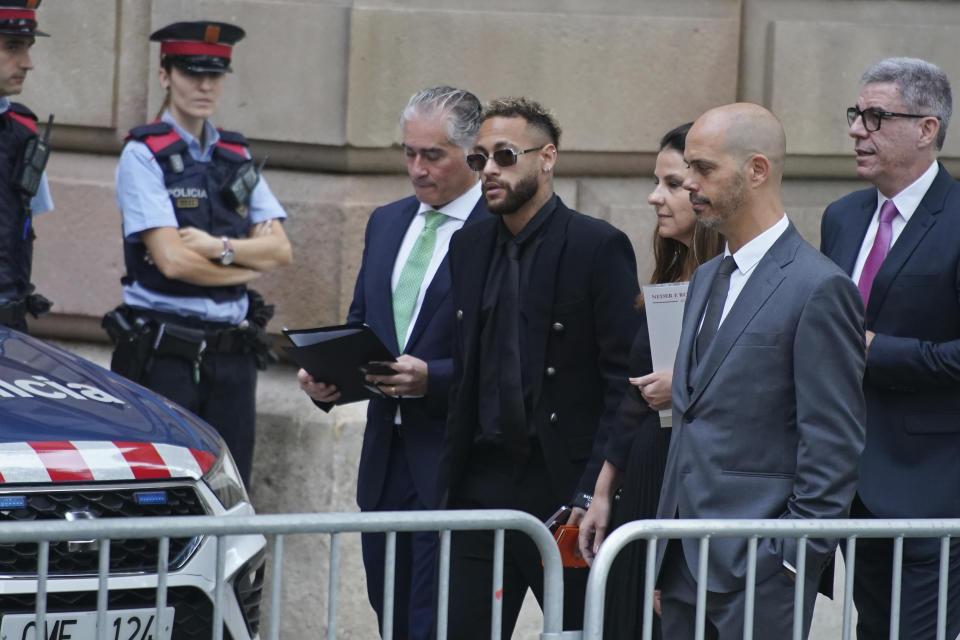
(399,463)
(911,464)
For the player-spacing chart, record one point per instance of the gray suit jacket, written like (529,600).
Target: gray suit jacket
(771,422)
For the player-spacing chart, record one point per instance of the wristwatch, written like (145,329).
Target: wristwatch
(582,500)
(226,256)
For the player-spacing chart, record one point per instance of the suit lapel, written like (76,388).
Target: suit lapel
(765,279)
(922,220)
(383,255)
(698,294)
(474,265)
(851,237)
(537,302)
(439,287)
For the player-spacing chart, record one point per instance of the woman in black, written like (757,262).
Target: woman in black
(635,455)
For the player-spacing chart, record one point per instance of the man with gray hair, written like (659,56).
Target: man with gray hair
(900,242)
(403,293)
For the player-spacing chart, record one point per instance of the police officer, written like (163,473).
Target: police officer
(23,181)
(199,223)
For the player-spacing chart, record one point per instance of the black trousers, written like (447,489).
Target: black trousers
(225,396)
(494,481)
(873,580)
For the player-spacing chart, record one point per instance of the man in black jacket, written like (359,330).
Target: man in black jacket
(544,322)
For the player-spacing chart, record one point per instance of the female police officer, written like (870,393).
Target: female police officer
(199,224)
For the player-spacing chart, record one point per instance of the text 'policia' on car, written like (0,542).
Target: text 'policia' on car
(79,442)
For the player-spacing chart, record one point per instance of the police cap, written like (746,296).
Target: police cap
(198,47)
(19,18)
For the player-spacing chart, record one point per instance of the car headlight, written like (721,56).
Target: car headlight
(224,480)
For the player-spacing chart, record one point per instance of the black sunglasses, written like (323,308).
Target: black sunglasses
(503,157)
(872,117)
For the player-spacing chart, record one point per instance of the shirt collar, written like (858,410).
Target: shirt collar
(210,135)
(750,254)
(909,199)
(533,226)
(4,104)
(460,207)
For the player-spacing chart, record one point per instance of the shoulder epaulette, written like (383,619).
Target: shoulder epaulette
(20,113)
(160,137)
(233,142)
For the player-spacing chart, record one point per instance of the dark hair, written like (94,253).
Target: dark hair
(536,116)
(673,260)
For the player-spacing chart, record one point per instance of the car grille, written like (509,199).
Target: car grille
(126,556)
(193,618)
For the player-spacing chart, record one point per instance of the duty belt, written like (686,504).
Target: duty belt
(13,312)
(190,343)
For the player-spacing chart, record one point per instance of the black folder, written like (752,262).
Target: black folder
(337,355)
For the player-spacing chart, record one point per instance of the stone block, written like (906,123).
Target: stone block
(78,254)
(590,69)
(805,200)
(812,98)
(74,75)
(289,80)
(623,203)
(808,71)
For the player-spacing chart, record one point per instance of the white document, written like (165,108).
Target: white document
(664,306)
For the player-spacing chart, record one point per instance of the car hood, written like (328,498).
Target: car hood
(64,415)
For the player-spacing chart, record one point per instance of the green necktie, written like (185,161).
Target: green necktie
(411,278)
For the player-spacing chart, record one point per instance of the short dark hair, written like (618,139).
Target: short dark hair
(536,115)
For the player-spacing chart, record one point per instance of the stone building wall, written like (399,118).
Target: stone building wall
(318,86)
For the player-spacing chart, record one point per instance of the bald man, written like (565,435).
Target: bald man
(768,411)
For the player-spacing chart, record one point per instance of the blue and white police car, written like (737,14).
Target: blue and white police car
(77,441)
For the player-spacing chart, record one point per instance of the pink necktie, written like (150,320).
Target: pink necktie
(881,244)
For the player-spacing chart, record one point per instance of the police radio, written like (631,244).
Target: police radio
(34,161)
(236,193)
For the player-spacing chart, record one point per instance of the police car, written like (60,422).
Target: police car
(79,442)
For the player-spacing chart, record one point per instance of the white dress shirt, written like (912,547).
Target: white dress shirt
(747,258)
(457,213)
(907,202)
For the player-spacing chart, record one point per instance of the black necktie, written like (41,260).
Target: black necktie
(718,296)
(513,415)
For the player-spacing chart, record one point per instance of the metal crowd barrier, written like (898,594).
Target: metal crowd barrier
(753,530)
(277,526)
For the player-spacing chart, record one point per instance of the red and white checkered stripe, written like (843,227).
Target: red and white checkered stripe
(96,461)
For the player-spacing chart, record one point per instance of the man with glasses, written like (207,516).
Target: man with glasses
(403,293)
(900,242)
(544,323)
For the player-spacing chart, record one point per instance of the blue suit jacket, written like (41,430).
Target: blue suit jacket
(911,463)
(431,340)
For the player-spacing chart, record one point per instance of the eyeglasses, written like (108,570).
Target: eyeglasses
(503,157)
(873,117)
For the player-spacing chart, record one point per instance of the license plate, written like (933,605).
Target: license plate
(128,624)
